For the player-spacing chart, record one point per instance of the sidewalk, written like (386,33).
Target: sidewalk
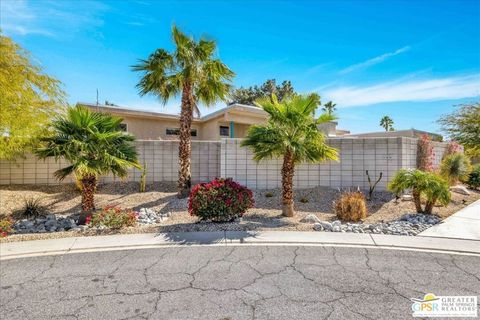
(138,241)
(465,224)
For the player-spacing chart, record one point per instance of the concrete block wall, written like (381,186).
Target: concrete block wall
(356,156)
(211,159)
(161,158)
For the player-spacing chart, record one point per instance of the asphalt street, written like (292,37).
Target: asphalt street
(234,282)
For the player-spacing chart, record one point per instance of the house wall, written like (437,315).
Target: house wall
(153,129)
(226,158)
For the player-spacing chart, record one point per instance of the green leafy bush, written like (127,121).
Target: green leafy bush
(351,206)
(455,168)
(220,200)
(423,184)
(5,227)
(113,217)
(474,177)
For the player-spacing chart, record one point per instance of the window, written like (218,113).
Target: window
(176,132)
(123,127)
(224,131)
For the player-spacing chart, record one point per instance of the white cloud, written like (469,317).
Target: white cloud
(49,18)
(406,90)
(373,61)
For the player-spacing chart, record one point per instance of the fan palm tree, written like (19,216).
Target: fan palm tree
(329,107)
(291,132)
(94,145)
(387,123)
(192,72)
(423,184)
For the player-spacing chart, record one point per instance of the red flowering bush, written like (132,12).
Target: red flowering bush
(112,217)
(452,148)
(425,154)
(5,227)
(220,200)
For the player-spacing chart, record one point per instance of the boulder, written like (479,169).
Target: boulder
(310,218)
(460,189)
(407,197)
(327,226)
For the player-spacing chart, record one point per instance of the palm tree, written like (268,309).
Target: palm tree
(329,107)
(423,184)
(94,145)
(291,132)
(192,72)
(387,123)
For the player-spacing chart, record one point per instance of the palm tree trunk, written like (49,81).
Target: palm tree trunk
(429,206)
(417,200)
(288,170)
(89,186)
(185,148)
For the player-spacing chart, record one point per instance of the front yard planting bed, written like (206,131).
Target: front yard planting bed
(172,213)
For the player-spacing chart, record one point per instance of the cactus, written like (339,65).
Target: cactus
(143,179)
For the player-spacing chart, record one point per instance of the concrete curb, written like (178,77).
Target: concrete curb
(14,250)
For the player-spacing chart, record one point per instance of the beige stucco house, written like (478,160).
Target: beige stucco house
(229,122)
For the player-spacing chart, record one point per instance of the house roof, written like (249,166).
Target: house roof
(237,107)
(412,133)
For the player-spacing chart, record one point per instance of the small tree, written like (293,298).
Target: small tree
(463,126)
(387,123)
(423,184)
(28,99)
(94,145)
(291,132)
(269,87)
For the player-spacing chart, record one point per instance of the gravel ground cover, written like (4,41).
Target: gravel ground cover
(64,200)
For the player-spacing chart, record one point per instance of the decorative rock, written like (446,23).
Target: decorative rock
(407,225)
(148,216)
(327,226)
(407,197)
(460,189)
(310,218)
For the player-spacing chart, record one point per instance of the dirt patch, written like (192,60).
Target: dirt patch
(266,215)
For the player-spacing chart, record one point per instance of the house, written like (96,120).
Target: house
(229,122)
(410,133)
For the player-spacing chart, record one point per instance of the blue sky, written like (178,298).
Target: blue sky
(410,60)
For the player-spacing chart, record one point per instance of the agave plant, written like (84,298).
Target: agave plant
(291,132)
(455,167)
(423,184)
(93,144)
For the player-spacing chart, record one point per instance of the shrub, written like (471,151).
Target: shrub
(5,227)
(455,168)
(425,154)
(303,200)
(113,217)
(32,209)
(351,206)
(474,177)
(423,184)
(220,200)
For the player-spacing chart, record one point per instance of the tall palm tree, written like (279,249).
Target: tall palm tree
(387,123)
(94,145)
(329,107)
(192,72)
(291,132)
